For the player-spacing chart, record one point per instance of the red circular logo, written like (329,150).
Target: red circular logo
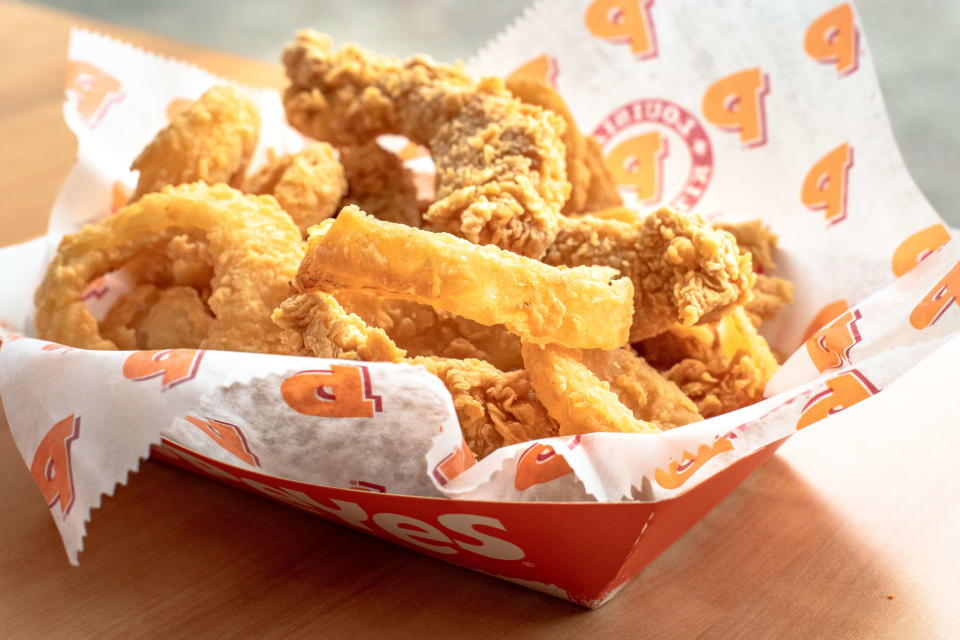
(649,145)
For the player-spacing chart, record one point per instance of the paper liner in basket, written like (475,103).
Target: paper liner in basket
(738,111)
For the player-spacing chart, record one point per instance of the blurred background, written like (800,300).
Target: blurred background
(915,45)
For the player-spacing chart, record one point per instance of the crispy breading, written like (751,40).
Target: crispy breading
(423,331)
(683,271)
(501,176)
(316,325)
(770,293)
(768,296)
(495,408)
(380,185)
(581,307)
(211,140)
(308,184)
(151,318)
(722,366)
(574,396)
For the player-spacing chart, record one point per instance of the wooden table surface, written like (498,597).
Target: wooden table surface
(812,545)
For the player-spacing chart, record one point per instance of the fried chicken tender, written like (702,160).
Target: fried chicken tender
(151,318)
(574,396)
(495,408)
(501,175)
(423,331)
(682,270)
(380,185)
(722,366)
(581,307)
(307,184)
(211,140)
(641,388)
(318,326)
(770,293)
(254,246)
(591,186)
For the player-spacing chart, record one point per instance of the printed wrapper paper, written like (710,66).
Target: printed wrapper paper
(735,111)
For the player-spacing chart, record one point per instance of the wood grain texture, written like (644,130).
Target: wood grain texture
(810,546)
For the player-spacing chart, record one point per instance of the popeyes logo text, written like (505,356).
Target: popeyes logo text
(624,22)
(657,151)
(735,104)
(338,392)
(679,471)
(833,39)
(228,436)
(91,91)
(51,467)
(830,347)
(826,184)
(446,534)
(842,391)
(939,299)
(171,366)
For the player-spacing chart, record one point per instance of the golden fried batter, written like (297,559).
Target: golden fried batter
(495,408)
(380,185)
(152,318)
(770,293)
(582,307)
(501,176)
(211,140)
(317,325)
(683,271)
(307,184)
(254,248)
(722,366)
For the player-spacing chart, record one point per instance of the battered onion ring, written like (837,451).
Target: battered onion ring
(256,249)
(574,396)
(307,184)
(501,176)
(580,307)
(211,140)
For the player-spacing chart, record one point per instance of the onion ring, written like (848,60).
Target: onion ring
(255,245)
(580,307)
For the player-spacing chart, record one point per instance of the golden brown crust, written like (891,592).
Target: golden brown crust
(211,140)
(380,185)
(501,175)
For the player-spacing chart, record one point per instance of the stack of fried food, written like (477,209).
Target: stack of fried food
(544,306)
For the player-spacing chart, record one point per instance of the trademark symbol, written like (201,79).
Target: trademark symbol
(527,563)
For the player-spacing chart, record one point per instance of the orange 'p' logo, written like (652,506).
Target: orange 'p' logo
(172,366)
(539,464)
(454,464)
(637,163)
(735,103)
(623,22)
(91,91)
(229,436)
(843,391)
(825,186)
(833,38)
(349,394)
(543,67)
(830,347)
(918,246)
(51,464)
(936,303)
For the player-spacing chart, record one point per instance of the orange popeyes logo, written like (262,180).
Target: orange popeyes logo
(833,38)
(172,366)
(229,436)
(637,163)
(829,311)
(936,303)
(624,22)
(678,472)
(825,186)
(830,347)
(843,391)
(51,468)
(543,67)
(917,247)
(339,392)
(91,91)
(541,463)
(454,464)
(735,103)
